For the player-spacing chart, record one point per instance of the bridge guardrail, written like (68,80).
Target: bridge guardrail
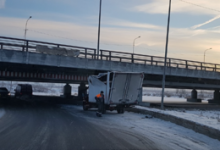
(30,45)
(90,53)
(157,61)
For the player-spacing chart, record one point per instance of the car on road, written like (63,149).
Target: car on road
(23,91)
(4,93)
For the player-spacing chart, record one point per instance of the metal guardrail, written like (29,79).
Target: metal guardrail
(157,61)
(30,46)
(90,53)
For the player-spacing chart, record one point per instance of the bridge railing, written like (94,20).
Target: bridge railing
(157,61)
(90,53)
(30,46)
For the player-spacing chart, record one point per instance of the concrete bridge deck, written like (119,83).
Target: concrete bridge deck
(20,56)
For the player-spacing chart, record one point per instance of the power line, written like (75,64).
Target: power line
(200,6)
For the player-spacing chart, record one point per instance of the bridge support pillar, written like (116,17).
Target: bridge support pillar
(67,91)
(140,97)
(82,90)
(193,97)
(216,97)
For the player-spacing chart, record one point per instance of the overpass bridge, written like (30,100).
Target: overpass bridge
(20,61)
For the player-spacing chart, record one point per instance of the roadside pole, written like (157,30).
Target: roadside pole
(165,59)
(100,11)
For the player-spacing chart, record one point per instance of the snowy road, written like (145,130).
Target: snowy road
(47,127)
(166,135)
(69,127)
(2,112)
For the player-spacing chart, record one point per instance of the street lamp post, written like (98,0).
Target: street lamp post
(205,52)
(25,30)
(100,11)
(134,42)
(165,59)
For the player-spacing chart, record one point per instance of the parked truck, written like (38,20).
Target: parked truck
(121,89)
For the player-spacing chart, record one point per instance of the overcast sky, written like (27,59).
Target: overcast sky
(193,29)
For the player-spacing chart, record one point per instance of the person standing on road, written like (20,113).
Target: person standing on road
(100,100)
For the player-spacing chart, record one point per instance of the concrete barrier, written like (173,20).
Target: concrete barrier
(57,51)
(208,131)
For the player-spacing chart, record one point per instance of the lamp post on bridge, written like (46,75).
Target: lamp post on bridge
(205,52)
(25,30)
(134,42)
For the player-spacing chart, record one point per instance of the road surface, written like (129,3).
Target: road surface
(45,127)
(68,127)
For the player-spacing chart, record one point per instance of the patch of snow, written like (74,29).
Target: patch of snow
(51,94)
(209,118)
(46,94)
(166,99)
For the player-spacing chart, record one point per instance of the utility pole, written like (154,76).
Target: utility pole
(165,59)
(100,11)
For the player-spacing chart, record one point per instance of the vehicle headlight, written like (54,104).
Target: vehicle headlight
(9,94)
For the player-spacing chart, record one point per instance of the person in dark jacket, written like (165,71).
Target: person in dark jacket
(100,101)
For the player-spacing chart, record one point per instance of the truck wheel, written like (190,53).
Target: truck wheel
(85,108)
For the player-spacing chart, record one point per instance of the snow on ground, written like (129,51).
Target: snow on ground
(166,134)
(157,99)
(46,94)
(209,118)
(2,112)
(50,94)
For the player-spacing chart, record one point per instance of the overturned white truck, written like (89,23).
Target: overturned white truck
(121,89)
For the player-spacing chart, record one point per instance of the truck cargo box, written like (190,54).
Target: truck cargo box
(119,87)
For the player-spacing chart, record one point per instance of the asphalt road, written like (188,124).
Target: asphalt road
(48,127)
